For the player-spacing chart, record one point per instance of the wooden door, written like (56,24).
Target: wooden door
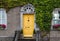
(28,25)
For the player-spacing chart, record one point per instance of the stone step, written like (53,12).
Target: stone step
(26,39)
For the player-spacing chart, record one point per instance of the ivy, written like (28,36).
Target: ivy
(43,10)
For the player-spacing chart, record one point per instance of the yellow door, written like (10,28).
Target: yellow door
(28,25)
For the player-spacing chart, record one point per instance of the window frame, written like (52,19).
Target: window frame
(3,19)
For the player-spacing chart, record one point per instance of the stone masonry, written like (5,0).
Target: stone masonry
(54,35)
(13,23)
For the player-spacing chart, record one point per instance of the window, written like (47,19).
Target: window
(59,14)
(3,19)
(56,21)
(56,16)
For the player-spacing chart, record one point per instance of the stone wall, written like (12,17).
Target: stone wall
(54,35)
(6,38)
(13,22)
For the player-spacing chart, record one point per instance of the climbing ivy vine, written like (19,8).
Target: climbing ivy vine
(43,10)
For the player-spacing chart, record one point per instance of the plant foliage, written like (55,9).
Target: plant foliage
(43,10)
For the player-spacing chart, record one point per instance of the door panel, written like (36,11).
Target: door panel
(28,25)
